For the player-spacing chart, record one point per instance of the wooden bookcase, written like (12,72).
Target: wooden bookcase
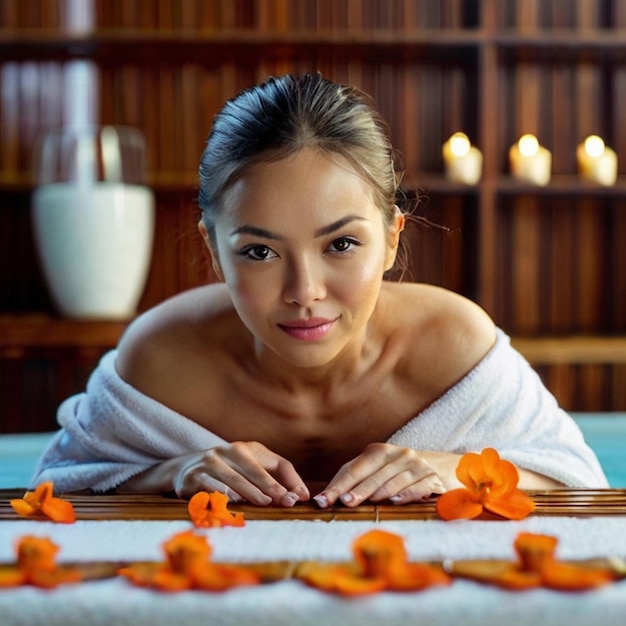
(549,263)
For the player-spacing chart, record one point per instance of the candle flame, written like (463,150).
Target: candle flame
(459,144)
(594,146)
(528,145)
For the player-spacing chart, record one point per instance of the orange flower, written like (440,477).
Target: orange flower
(41,503)
(211,510)
(490,485)
(536,554)
(536,567)
(36,566)
(188,566)
(380,563)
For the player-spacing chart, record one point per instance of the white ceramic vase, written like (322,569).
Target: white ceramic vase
(95,246)
(93,224)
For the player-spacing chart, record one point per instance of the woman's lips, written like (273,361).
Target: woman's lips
(307,330)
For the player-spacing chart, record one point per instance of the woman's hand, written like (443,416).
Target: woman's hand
(388,472)
(245,470)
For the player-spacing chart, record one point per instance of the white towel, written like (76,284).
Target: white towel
(113,432)
(291,603)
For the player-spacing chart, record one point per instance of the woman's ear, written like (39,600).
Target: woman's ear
(393,237)
(214,257)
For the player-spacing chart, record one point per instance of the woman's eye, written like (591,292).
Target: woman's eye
(258,253)
(343,244)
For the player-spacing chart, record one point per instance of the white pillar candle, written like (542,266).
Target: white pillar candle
(463,162)
(529,161)
(596,161)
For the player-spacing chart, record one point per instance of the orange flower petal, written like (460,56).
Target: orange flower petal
(36,553)
(458,504)
(416,576)
(155,576)
(211,510)
(513,505)
(187,550)
(515,579)
(341,579)
(59,510)
(213,577)
(378,551)
(469,470)
(23,507)
(48,579)
(535,550)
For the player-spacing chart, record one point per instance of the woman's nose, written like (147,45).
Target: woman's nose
(304,284)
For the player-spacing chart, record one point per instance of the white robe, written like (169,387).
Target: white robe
(113,432)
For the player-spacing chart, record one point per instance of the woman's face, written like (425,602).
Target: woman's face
(303,248)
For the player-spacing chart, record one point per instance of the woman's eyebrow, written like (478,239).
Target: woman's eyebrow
(331,228)
(256,231)
(247,229)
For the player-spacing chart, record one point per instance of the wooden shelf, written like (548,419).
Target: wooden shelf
(18,332)
(572,350)
(178,46)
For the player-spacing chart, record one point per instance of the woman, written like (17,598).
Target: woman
(304,366)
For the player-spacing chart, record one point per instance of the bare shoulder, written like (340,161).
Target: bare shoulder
(446,335)
(164,344)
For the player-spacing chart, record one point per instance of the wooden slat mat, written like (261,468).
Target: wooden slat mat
(567,502)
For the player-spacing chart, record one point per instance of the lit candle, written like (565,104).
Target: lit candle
(529,161)
(464,162)
(596,162)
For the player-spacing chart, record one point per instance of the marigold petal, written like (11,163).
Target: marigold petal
(198,504)
(416,576)
(378,551)
(515,505)
(341,579)
(166,579)
(48,579)
(23,507)
(469,470)
(155,576)
(36,553)
(505,478)
(59,510)
(214,577)
(535,550)
(458,504)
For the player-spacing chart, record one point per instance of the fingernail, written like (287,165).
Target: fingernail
(396,499)
(322,501)
(289,499)
(347,498)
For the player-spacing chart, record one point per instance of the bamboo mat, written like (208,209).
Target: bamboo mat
(558,502)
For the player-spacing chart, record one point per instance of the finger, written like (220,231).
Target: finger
(213,473)
(272,474)
(286,474)
(419,490)
(343,485)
